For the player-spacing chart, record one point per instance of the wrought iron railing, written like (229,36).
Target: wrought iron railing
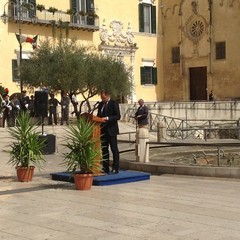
(177,128)
(45,17)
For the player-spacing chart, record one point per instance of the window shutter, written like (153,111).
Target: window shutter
(154,76)
(220,50)
(74,5)
(143,76)
(175,55)
(141,18)
(15,74)
(32,12)
(90,5)
(153,18)
(33,2)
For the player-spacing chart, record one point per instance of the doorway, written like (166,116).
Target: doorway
(198,83)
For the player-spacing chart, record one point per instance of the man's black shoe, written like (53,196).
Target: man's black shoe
(105,171)
(114,171)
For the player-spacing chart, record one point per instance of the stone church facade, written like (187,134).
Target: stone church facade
(199,49)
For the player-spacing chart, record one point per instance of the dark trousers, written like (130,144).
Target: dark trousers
(52,116)
(106,141)
(75,109)
(14,115)
(6,116)
(65,115)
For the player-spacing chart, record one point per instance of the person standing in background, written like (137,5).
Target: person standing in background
(108,110)
(24,101)
(141,114)
(7,107)
(211,96)
(52,103)
(74,102)
(31,106)
(15,109)
(65,101)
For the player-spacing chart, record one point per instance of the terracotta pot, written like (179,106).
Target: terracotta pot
(25,174)
(83,181)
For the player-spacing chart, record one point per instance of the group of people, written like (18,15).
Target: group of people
(108,110)
(12,107)
(65,101)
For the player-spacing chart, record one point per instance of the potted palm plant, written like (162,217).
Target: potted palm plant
(26,150)
(82,153)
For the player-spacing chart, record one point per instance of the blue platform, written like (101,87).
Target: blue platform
(108,179)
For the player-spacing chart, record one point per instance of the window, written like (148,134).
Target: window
(148,75)
(147,18)
(175,55)
(220,50)
(15,71)
(83,7)
(26,12)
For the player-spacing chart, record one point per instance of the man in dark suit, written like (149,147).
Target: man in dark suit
(141,114)
(108,110)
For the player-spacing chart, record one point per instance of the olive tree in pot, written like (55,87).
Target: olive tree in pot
(26,149)
(82,153)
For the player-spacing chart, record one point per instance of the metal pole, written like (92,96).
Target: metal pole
(218,155)
(19,12)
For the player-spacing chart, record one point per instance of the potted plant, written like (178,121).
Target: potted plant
(92,13)
(40,7)
(82,153)
(82,13)
(26,150)
(71,11)
(52,10)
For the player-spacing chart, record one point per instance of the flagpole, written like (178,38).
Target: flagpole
(20,44)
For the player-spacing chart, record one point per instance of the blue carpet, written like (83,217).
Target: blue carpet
(108,179)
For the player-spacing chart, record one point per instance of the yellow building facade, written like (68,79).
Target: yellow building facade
(177,50)
(112,26)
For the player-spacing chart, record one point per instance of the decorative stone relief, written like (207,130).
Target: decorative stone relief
(147,1)
(117,37)
(196,26)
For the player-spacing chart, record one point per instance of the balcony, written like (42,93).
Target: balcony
(87,22)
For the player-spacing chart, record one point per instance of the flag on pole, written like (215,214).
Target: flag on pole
(22,38)
(34,44)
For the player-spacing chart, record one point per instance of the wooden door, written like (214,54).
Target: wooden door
(198,83)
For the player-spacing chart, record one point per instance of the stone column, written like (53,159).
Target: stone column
(142,149)
(161,129)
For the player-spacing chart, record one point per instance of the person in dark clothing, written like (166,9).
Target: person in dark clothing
(141,114)
(52,103)
(15,109)
(74,102)
(31,106)
(7,107)
(211,96)
(108,110)
(24,101)
(65,101)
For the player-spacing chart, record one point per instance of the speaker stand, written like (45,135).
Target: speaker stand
(42,125)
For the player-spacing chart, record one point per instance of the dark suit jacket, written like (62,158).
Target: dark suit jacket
(143,111)
(113,113)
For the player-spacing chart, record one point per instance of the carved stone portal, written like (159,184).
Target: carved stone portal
(117,37)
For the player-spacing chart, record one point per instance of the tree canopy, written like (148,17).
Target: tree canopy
(69,66)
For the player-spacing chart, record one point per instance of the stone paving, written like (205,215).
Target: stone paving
(167,207)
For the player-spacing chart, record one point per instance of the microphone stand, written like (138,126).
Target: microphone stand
(95,106)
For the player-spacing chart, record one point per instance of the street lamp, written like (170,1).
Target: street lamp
(18,8)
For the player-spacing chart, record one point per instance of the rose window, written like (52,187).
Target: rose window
(196,28)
